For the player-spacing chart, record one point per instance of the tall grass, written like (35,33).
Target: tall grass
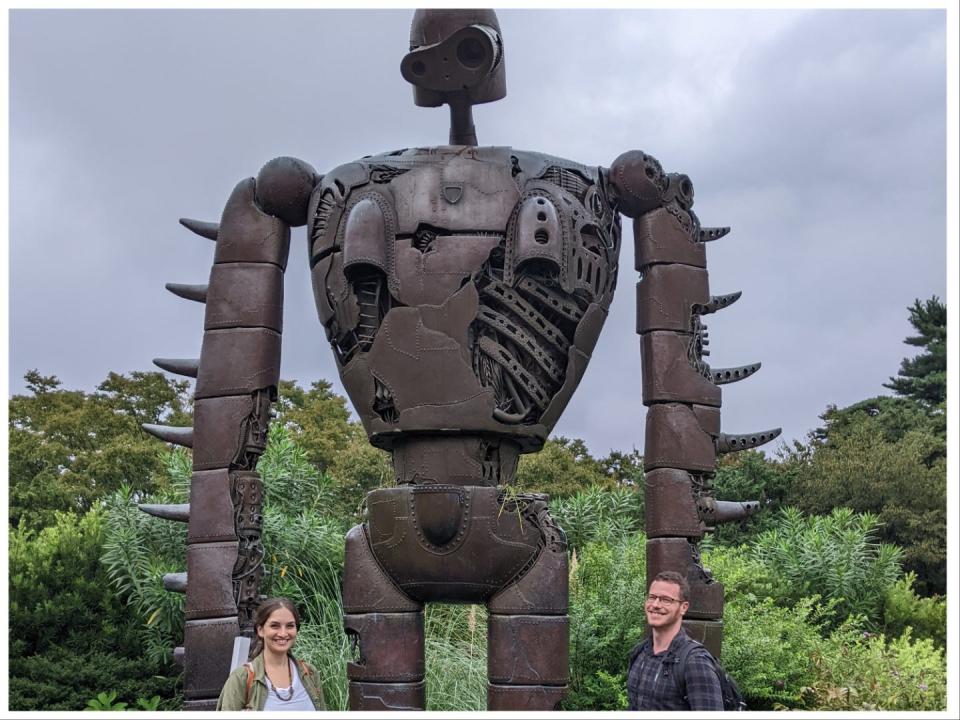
(456,647)
(321,640)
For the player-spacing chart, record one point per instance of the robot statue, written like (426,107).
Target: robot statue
(462,289)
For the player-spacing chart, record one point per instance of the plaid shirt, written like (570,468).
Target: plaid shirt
(651,685)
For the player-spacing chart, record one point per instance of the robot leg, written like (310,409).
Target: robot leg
(386,628)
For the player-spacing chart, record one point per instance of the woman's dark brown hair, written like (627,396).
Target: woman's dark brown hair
(264,611)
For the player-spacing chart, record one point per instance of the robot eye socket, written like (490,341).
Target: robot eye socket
(471,53)
(418,68)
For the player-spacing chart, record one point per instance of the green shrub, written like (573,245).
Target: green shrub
(768,649)
(739,571)
(835,556)
(70,636)
(903,608)
(862,671)
(64,678)
(137,551)
(607,587)
(601,515)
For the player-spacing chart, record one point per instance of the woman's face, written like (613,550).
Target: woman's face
(279,631)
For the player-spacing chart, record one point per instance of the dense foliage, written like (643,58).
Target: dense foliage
(885,456)
(70,635)
(69,449)
(834,593)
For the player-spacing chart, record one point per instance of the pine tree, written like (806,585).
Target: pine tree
(924,377)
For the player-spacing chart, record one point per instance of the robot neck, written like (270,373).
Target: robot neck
(462,131)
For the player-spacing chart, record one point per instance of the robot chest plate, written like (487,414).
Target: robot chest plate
(460,195)
(462,288)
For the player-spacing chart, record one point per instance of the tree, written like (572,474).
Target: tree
(71,637)
(319,423)
(624,468)
(882,456)
(318,419)
(69,448)
(924,377)
(749,476)
(562,468)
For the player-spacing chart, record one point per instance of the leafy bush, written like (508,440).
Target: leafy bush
(885,456)
(768,649)
(903,608)
(290,481)
(70,636)
(138,550)
(739,571)
(749,475)
(862,671)
(318,421)
(607,586)
(595,514)
(562,468)
(834,556)
(62,678)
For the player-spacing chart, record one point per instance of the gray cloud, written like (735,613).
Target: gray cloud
(818,135)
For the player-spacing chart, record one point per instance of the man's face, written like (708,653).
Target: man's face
(661,612)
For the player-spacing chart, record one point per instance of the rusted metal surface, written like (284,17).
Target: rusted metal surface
(681,391)
(387,696)
(528,649)
(462,290)
(389,646)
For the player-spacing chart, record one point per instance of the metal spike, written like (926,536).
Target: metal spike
(169,433)
(179,366)
(175,582)
(732,443)
(709,233)
(208,230)
(180,513)
(718,302)
(725,376)
(197,293)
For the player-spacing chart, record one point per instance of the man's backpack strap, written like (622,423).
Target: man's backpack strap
(729,692)
(637,649)
(680,666)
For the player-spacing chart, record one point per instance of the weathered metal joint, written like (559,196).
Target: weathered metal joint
(389,645)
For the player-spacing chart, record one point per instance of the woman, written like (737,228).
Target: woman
(273,679)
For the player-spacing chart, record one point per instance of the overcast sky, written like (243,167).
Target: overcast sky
(819,136)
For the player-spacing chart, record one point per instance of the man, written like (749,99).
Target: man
(652,682)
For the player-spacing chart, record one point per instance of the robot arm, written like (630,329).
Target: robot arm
(237,374)
(682,392)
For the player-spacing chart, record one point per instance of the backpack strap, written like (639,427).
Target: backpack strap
(635,652)
(246,692)
(680,666)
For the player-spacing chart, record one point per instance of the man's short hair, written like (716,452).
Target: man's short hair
(675,578)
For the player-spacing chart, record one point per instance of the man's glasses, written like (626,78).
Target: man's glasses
(662,599)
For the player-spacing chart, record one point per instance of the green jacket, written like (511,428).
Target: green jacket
(235,688)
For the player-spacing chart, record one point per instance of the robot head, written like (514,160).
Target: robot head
(455,53)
